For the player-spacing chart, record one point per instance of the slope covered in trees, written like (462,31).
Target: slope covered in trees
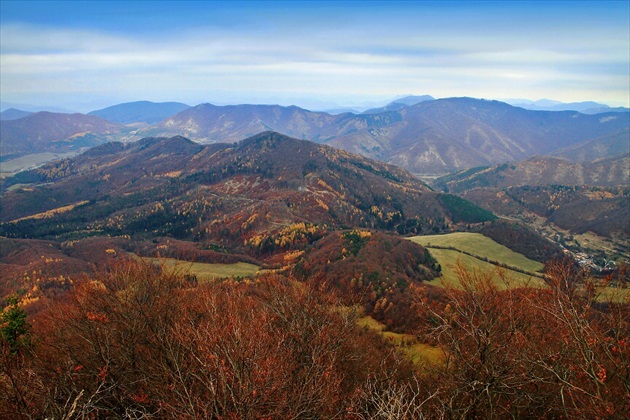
(246,198)
(429,137)
(131,341)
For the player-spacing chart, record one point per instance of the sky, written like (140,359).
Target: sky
(86,55)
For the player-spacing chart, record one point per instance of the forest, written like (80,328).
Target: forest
(135,341)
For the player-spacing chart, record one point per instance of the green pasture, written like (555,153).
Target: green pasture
(503,278)
(470,250)
(481,246)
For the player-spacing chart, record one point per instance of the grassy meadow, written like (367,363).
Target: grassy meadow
(206,271)
(482,247)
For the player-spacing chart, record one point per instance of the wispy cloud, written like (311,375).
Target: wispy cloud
(375,53)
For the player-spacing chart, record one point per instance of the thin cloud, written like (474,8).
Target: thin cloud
(435,51)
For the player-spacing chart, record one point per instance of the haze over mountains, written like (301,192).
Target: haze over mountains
(48,131)
(418,133)
(586,107)
(140,112)
(13,114)
(432,136)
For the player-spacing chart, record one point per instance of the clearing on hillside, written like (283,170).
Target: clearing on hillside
(503,278)
(480,246)
(470,250)
(205,271)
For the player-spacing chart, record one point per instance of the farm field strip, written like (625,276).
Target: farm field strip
(480,246)
(503,278)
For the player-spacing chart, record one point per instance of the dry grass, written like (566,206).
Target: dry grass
(421,354)
(206,271)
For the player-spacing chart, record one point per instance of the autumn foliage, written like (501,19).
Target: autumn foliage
(536,353)
(135,342)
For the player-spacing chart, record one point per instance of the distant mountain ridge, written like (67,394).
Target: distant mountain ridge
(49,131)
(541,171)
(13,114)
(430,137)
(586,107)
(398,104)
(615,144)
(437,136)
(140,111)
(207,123)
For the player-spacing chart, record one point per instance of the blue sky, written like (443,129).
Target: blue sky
(86,55)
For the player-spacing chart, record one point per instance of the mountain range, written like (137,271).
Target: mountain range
(140,112)
(398,104)
(13,114)
(433,136)
(586,107)
(49,131)
(420,134)
(226,194)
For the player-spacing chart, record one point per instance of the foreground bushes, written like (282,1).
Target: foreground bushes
(136,343)
(555,352)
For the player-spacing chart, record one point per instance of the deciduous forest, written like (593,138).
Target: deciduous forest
(135,341)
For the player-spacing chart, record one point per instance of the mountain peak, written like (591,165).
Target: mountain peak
(267,138)
(413,100)
(140,112)
(13,114)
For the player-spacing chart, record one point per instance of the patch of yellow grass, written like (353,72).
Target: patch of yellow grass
(421,354)
(503,278)
(206,271)
(53,212)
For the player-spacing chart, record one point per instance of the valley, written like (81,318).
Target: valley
(425,136)
(314,210)
(280,247)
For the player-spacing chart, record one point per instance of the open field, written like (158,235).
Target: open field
(481,246)
(502,277)
(31,161)
(205,271)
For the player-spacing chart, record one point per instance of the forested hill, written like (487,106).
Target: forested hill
(233,194)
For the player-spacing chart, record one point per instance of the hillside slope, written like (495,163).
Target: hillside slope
(237,196)
(140,111)
(49,131)
(450,134)
(540,171)
(207,123)
(433,136)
